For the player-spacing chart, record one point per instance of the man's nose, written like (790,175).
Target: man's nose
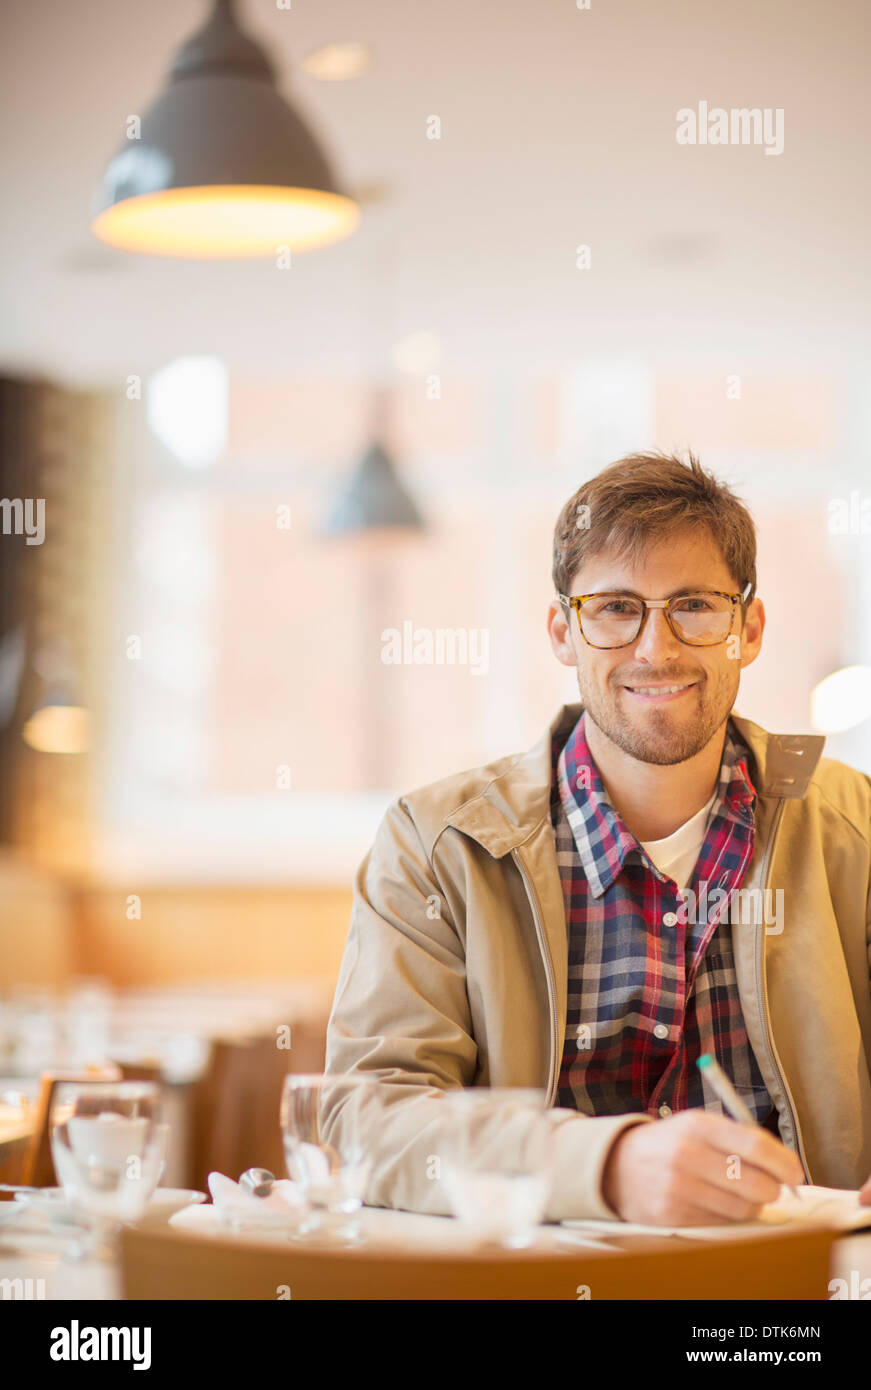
(656,639)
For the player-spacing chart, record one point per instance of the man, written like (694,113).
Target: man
(656,879)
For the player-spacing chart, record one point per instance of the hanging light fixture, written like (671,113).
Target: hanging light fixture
(375,515)
(223,167)
(374,496)
(59,722)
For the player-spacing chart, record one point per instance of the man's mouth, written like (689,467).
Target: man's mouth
(659,694)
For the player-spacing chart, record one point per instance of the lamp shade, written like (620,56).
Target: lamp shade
(842,700)
(58,724)
(222,167)
(373,497)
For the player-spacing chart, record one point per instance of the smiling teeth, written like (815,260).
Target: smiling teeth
(656,689)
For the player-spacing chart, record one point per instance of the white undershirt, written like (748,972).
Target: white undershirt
(676,855)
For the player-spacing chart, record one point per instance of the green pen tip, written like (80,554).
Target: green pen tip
(703,1061)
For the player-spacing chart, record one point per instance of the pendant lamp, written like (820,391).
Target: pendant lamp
(58,724)
(223,166)
(373,497)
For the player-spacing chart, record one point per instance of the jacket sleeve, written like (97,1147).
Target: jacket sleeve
(868,936)
(401,1013)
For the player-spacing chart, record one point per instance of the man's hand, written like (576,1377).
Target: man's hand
(697,1169)
(865,1194)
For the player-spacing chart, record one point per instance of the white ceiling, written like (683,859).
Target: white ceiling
(558,128)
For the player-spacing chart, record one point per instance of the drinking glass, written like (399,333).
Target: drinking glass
(322,1123)
(108,1147)
(496,1145)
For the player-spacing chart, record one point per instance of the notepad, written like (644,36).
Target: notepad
(837,1207)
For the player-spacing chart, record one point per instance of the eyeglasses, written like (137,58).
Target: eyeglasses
(701,619)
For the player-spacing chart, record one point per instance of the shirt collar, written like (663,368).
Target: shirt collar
(602,838)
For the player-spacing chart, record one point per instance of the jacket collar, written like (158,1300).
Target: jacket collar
(512,805)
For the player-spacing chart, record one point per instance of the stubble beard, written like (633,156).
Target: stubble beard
(660,734)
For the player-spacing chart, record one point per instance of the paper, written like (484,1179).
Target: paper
(832,1206)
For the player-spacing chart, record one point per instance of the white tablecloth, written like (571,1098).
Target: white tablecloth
(384,1229)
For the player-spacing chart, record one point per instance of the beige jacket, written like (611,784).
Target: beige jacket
(455,967)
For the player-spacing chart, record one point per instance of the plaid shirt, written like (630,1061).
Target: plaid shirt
(649,990)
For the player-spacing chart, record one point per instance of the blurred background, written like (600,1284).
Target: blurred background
(298,505)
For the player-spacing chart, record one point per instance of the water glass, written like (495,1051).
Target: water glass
(323,1120)
(497,1151)
(108,1146)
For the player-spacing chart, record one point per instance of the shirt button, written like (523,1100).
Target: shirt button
(670,919)
(664,1110)
(661,1030)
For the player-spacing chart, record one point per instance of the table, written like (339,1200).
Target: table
(387,1230)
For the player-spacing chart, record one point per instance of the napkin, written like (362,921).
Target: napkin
(237,1205)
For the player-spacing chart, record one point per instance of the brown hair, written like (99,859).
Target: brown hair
(643,498)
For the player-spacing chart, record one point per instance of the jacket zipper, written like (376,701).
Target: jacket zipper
(763,998)
(548,971)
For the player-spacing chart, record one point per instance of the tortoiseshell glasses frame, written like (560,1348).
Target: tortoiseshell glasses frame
(577,601)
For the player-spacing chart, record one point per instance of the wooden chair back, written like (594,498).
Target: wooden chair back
(236,1109)
(236,1106)
(141,1071)
(38,1165)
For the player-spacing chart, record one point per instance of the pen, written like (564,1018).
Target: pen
(725,1091)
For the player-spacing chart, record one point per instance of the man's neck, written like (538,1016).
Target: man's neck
(654,800)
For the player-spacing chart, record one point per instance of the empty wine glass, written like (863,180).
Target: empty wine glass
(108,1148)
(496,1146)
(322,1120)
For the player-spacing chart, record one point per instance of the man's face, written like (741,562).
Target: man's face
(658,728)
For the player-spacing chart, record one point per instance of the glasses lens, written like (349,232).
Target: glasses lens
(702,618)
(611,620)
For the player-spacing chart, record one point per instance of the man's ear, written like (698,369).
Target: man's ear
(751,633)
(559,621)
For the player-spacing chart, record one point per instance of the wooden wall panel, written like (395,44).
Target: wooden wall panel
(211,933)
(37,944)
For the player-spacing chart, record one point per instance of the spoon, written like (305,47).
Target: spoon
(258,1181)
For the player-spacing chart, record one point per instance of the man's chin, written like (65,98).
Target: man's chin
(662,735)
(660,752)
